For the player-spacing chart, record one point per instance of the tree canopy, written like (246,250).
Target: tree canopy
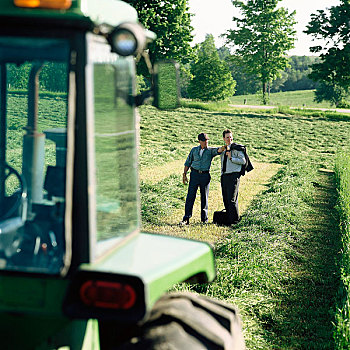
(212,79)
(262,37)
(333,71)
(171,21)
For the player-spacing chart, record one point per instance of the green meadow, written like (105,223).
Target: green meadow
(280,264)
(300,98)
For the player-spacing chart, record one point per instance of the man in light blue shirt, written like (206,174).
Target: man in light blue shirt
(199,161)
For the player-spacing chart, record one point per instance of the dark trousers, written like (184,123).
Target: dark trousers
(202,181)
(229,189)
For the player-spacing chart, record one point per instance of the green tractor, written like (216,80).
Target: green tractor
(76,272)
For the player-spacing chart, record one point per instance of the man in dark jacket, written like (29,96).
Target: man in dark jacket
(234,163)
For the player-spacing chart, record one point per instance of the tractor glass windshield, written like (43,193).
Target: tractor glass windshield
(33,114)
(117,211)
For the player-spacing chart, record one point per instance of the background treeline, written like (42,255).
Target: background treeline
(294,77)
(53,77)
(217,69)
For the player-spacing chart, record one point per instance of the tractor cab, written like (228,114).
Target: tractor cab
(33,138)
(38,152)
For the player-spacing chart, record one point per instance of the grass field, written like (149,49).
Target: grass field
(302,98)
(279,264)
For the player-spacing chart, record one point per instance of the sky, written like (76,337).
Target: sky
(216,19)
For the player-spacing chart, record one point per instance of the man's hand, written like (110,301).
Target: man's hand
(222,149)
(184,179)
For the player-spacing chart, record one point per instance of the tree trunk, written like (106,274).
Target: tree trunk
(264,100)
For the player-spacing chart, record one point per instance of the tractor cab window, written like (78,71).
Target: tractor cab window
(115,148)
(33,115)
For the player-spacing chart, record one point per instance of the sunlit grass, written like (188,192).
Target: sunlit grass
(251,184)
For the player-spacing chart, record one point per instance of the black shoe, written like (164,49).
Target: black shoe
(184,222)
(237,221)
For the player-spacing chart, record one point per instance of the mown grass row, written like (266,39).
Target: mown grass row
(342,330)
(278,266)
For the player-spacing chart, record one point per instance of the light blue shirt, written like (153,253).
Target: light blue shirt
(233,165)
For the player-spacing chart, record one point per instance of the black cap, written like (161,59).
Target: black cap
(203,137)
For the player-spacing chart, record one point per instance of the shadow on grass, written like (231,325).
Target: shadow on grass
(308,300)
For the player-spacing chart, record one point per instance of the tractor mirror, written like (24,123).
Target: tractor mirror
(166,85)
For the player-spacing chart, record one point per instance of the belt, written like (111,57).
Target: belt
(200,171)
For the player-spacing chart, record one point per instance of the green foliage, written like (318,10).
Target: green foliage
(141,84)
(212,79)
(333,70)
(53,76)
(296,75)
(185,79)
(342,329)
(167,88)
(246,83)
(263,36)
(333,93)
(17,77)
(171,21)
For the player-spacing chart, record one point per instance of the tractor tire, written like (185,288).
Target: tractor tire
(185,321)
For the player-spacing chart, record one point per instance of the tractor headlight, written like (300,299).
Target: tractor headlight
(128,39)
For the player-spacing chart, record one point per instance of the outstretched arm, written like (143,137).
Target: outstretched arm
(184,176)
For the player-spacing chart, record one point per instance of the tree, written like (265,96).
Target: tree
(212,79)
(262,38)
(245,83)
(333,70)
(171,21)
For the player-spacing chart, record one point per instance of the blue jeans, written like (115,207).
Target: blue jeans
(202,181)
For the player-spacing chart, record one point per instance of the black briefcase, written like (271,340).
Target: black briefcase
(220,218)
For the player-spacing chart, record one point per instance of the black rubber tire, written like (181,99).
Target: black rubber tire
(185,321)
